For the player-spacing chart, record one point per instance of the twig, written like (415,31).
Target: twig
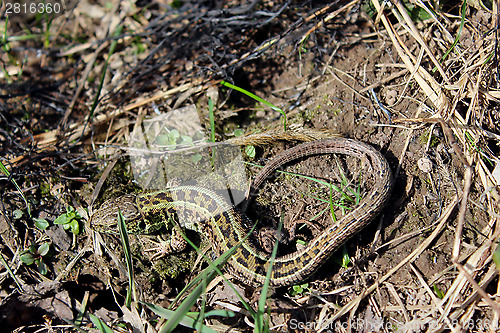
(410,258)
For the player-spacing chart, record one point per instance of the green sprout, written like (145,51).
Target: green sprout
(250,151)
(299,289)
(439,292)
(70,220)
(173,139)
(496,257)
(35,255)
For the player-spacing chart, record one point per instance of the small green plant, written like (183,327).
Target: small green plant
(439,292)
(299,289)
(168,139)
(426,136)
(250,151)
(17,214)
(211,117)
(496,257)
(35,254)
(41,223)
(343,260)
(70,220)
(346,260)
(302,47)
(173,139)
(473,146)
(139,45)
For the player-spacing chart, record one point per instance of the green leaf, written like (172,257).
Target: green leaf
(69,220)
(17,214)
(211,118)
(62,219)
(162,139)
(186,139)
(44,249)
(174,134)
(345,258)
(42,268)
(72,213)
(196,158)
(439,292)
(187,320)
(219,313)
(299,289)
(301,242)
(257,98)
(496,257)
(238,132)
(28,258)
(418,14)
(75,227)
(100,325)
(172,142)
(40,223)
(250,151)
(131,291)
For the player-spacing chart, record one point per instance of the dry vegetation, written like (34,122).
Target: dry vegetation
(420,81)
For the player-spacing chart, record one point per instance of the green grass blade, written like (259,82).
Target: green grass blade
(180,313)
(100,325)
(459,34)
(496,257)
(13,181)
(257,98)
(215,265)
(211,118)
(191,318)
(128,259)
(260,324)
(343,193)
(208,274)
(11,273)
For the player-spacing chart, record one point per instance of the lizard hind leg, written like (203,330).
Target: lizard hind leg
(177,243)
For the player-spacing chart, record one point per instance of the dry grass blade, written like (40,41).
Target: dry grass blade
(416,34)
(426,82)
(477,260)
(329,17)
(440,224)
(435,300)
(494,305)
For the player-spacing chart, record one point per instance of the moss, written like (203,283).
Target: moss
(45,189)
(424,137)
(175,265)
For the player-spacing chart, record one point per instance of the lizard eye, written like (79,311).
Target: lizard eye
(142,225)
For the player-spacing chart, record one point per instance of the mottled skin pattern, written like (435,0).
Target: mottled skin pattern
(206,212)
